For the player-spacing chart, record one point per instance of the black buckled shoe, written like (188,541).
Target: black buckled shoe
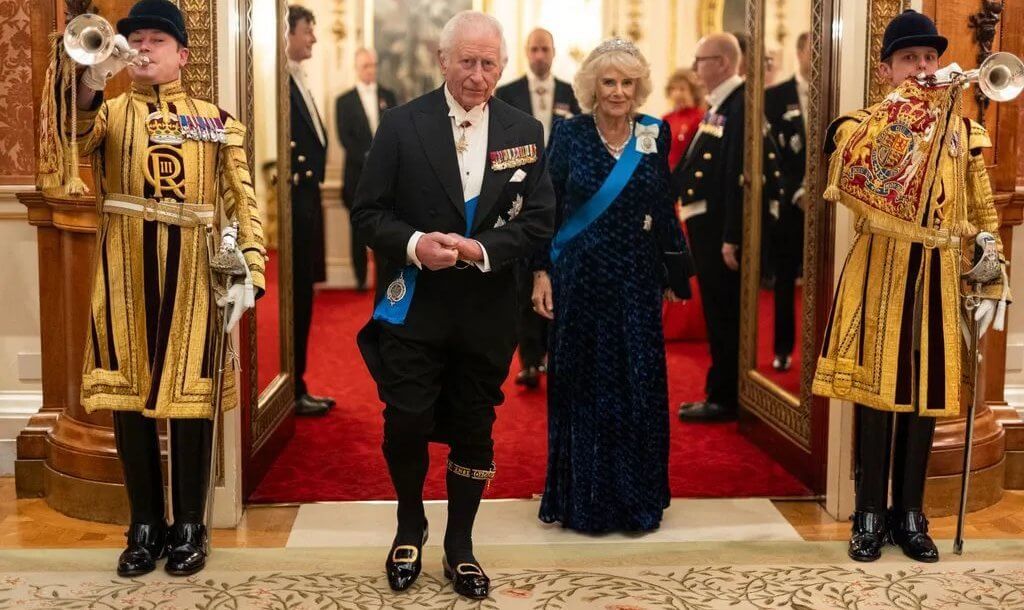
(404,563)
(186,549)
(146,544)
(910,531)
(705,412)
(308,406)
(528,377)
(468,579)
(868,537)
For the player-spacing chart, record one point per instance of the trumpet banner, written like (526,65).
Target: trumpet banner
(887,165)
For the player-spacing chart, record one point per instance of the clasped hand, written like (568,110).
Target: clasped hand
(438,251)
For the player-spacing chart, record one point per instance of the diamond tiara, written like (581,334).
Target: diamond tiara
(616,44)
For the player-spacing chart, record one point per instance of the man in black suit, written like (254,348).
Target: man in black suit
(454,191)
(548,99)
(309,155)
(709,180)
(358,114)
(784,108)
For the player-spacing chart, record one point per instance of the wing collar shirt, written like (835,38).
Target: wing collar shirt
(472,162)
(368,97)
(722,91)
(542,99)
(299,74)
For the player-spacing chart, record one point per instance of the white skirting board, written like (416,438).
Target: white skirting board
(15,410)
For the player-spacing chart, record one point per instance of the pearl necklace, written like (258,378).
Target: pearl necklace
(615,150)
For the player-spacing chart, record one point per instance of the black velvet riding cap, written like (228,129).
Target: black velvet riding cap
(156,14)
(911,29)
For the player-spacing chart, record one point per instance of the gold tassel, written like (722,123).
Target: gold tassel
(74,185)
(835,172)
(50,172)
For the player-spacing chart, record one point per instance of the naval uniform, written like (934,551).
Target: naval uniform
(309,266)
(784,110)
(709,181)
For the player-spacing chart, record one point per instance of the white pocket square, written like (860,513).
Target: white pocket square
(519,176)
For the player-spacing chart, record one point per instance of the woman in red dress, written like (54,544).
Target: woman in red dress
(687,96)
(683,320)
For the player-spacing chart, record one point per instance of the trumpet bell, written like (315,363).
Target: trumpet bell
(89,39)
(1001,77)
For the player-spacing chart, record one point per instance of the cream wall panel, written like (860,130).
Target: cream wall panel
(19,298)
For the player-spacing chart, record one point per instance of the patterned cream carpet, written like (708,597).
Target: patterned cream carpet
(625,576)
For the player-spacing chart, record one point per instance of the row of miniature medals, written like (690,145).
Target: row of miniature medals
(163,129)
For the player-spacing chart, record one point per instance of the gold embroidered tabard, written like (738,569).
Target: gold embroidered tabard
(171,156)
(912,170)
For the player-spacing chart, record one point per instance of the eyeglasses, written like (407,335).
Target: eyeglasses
(700,58)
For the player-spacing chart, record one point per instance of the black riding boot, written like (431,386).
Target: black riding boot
(138,446)
(191,446)
(874,439)
(909,526)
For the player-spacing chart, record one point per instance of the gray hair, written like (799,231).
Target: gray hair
(465,20)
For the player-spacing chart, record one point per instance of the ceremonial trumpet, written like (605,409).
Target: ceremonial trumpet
(1000,77)
(90,39)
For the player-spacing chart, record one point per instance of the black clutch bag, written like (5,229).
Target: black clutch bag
(678,269)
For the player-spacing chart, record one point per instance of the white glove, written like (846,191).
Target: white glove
(95,77)
(239,298)
(990,312)
(228,238)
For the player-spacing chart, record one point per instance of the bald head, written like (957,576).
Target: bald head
(366,66)
(718,56)
(540,52)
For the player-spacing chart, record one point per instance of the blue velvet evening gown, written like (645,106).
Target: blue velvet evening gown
(608,417)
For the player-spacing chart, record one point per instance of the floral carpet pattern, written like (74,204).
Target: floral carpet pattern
(233,586)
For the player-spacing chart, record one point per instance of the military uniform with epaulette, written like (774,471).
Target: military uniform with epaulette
(709,181)
(785,236)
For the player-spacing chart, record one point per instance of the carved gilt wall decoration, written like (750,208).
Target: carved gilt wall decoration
(984,24)
(200,74)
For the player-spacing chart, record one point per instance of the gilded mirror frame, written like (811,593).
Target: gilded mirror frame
(268,407)
(781,415)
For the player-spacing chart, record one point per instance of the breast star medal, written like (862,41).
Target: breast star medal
(396,289)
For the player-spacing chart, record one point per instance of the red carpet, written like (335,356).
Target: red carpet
(338,457)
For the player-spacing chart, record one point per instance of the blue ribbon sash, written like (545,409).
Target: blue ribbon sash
(394,307)
(610,190)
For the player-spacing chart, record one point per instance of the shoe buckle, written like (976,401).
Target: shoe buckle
(405,547)
(469,569)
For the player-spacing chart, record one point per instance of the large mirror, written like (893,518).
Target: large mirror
(264,89)
(266,45)
(785,264)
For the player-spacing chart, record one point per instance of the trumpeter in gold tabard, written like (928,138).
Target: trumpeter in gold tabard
(911,169)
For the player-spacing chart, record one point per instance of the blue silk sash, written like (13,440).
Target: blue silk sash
(610,190)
